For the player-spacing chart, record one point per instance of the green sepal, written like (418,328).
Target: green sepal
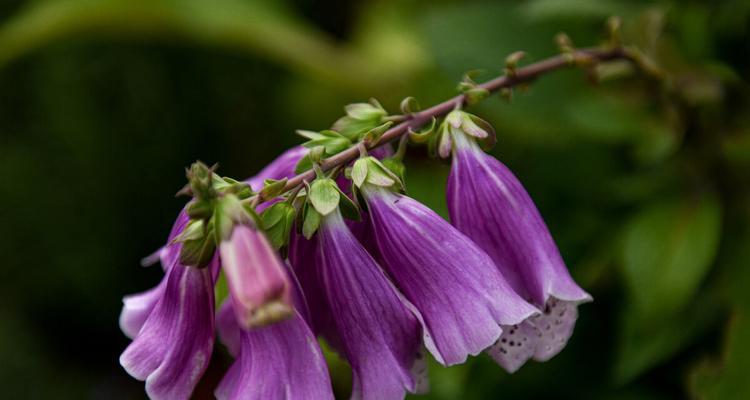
(409,105)
(277,221)
(423,135)
(311,223)
(475,95)
(201,179)
(365,111)
(324,195)
(238,188)
(332,141)
(372,136)
(396,166)
(370,170)
(229,211)
(359,172)
(198,245)
(348,207)
(273,188)
(200,209)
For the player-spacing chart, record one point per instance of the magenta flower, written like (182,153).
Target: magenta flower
(360,312)
(137,307)
(258,285)
(173,347)
(278,361)
(462,298)
(489,205)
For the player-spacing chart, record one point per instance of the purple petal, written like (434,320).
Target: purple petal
(488,204)
(258,283)
(173,348)
(171,253)
(540,337)
(281,167)
(304,259)
(461,296)
(228,328)
(137,307)
(279,361)
(377,333)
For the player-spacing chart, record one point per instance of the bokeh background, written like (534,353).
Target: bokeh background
(644,182)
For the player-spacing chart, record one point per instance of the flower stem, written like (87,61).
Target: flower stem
(416,120)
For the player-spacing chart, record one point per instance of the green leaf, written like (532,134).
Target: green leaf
(643,345)
(668,249)
(324,196)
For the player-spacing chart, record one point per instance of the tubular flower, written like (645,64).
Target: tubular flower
(373,326)
(278,361)
(137,307)
(463,300)
(488,204)
(258,285)
(172,349)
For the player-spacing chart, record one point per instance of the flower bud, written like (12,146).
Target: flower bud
(260,289)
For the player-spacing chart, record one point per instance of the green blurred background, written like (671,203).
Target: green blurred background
(644,183)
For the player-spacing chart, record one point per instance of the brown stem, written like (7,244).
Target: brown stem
(416,120)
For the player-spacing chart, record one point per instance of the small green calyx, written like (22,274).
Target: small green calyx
(273,188)
(201,180)
(369,170)
(198,244)
(360,118)
(277,221)
(324,195)
(461,122)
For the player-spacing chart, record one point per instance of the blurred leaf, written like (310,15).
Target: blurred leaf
(264,28)
(726,378)
(668,248)
(460,37)
(643,345)
(597,9)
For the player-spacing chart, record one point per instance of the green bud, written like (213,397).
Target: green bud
(365,111)
(200,178)
(372,136)
(200,209)
(198,245)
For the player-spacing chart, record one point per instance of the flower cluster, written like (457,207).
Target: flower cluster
(348,257)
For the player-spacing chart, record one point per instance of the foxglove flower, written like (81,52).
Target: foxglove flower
(279,361)
(489,205)
(275,362)
(172,349)
(258,285)
(137,307)
(371,325)
(462,299)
